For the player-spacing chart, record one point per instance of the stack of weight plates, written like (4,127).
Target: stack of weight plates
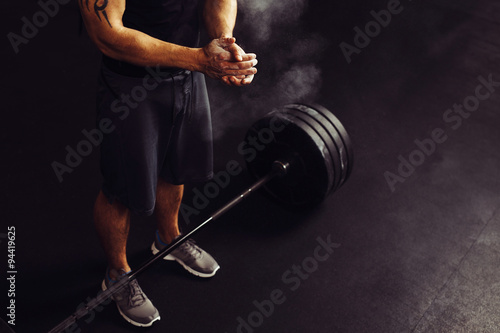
(315,144)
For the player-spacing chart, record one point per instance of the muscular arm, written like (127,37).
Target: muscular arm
(220,17)
(103,20)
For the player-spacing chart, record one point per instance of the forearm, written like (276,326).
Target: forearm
(220,17)
(140,49)
(106,29)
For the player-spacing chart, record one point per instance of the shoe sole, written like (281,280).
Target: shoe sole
(170,257)
(103,287)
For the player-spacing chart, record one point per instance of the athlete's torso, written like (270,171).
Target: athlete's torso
(174,21)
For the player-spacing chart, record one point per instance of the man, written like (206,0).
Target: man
(162,136)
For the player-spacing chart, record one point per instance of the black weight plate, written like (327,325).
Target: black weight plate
(339,150)
(345,136)
(331,156)
(308,177)
(349,158)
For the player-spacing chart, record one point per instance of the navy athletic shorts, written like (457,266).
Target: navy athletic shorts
(161,128)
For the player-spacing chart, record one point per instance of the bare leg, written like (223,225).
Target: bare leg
(112,222)
(168,201)
(194,259)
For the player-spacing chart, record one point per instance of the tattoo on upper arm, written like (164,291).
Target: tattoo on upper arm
(101,8)
(98,9)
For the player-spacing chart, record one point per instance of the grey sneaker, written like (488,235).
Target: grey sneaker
(194,259)
(132,303)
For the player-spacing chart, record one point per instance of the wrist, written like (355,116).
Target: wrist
(199,60)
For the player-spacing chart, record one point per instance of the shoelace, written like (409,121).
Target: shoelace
(190,248)
(136,297)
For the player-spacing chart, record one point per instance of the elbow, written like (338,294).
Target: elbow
(108,48)
(109,45)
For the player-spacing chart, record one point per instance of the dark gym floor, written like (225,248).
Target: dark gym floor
(421,258)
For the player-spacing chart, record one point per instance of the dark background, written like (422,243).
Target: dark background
(424,258)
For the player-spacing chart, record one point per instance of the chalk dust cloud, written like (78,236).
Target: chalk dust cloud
(288,66)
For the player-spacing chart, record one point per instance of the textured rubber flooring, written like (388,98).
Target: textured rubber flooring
(412,248)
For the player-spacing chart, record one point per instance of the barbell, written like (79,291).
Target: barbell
(303,155)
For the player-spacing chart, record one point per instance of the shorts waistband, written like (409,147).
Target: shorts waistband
(127,69)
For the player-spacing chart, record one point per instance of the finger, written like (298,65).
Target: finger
(228,56)
(226,80)
(240,64)
(246,72)
(236,51)
(232,81)
(227,41)
(235,80)
(249,56)
(242,82)
(248,79)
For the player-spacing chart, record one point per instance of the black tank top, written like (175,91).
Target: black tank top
(174,21)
